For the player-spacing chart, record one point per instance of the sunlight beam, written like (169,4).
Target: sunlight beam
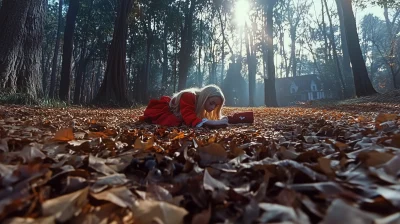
(242,8)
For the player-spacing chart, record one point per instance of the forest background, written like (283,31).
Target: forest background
(129,51)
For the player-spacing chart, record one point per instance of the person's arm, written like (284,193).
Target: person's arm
(187,107)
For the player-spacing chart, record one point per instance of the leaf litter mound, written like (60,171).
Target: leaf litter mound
(293,165)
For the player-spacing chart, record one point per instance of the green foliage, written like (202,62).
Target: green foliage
(17,98)
(26,99)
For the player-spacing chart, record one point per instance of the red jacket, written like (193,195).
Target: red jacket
(158,111)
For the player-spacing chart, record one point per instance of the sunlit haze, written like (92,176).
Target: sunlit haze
(242,8)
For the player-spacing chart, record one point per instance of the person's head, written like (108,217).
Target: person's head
(209,101)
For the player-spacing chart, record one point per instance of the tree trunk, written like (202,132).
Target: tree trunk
(165,71)
(146,75)
(185,58)
(113,89)
(346,68)
(335,56)
(84,59)
(21,24)
(392,40)
(251,65)
(65,81)
(269,82)
(326,57)
(56,51)
(199,75)
(363,85)
(293,60)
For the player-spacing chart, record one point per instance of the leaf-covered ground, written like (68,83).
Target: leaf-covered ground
(295,165)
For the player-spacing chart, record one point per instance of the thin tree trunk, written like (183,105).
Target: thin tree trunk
(165,61)
(326,57)
(270,90)
(56,51)
(65,81)
(199,75)
(83,61)
(251,65)
(335,56)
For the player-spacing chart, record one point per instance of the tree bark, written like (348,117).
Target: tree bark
(185,53)
(343,90)
(65,81)
(269,82)
(56,51)
(84,59)
(346,68)
(113,90)
(251,65)
(199,74)
(363,85)
(165,71)
(21,24)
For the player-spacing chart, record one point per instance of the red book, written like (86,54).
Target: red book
(242,117)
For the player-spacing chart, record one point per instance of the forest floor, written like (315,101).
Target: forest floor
(329,162)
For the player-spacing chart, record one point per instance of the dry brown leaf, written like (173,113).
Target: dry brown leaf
(65,207)
(375,158)
(325,165)
(211,183)
(212,153)
(145,212)
(140,145)
(342,212)
(120,196)
(202,217)
(65,134)
(392,167)
(396,140)
(383,117)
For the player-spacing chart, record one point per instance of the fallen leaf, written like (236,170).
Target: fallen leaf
(202,217)
(64,134)
(120,196)
(212,153)
(99,165)
(342,212)
(66,206)
(145,212)
(211,183)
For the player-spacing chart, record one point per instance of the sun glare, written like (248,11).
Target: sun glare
(242,8)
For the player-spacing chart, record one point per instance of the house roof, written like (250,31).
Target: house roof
(302,82)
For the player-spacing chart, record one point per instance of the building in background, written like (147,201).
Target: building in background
(301,89)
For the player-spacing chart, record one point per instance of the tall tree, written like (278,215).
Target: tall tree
(84,58)
(251,62)
(56,51)
(21,25)
(65,81)
(269,78)
(295,11)
(363,85)
(346,68)
(113,89)
(185,53)
(343,92)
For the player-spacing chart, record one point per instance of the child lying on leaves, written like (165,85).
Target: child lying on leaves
(193,107)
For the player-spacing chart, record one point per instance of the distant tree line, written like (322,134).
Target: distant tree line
(119,52)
